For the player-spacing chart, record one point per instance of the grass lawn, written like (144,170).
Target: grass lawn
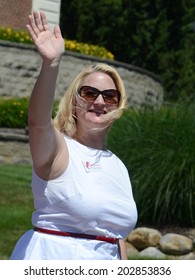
(16,205)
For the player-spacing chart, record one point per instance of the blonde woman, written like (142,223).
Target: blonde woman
(84,206)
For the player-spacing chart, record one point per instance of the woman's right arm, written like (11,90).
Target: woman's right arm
(46,142)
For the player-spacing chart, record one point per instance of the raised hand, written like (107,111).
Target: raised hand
(50,45)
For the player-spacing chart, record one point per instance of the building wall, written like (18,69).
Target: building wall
(14,13)
(51,9)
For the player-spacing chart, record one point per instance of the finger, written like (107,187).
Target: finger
(57,31)
(44,21)
(33,28)
(37,21)
(31,32)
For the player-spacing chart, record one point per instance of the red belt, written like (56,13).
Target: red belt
(79,235)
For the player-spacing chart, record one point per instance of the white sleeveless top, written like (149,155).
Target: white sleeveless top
(93,196)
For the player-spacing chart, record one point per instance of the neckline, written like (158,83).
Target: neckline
(90,150)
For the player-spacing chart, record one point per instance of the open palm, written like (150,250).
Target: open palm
(50,45)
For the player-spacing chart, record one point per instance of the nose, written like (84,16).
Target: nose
(99,99)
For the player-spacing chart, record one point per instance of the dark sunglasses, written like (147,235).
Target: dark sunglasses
(111,96)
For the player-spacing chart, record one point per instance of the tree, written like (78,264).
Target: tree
(155,35)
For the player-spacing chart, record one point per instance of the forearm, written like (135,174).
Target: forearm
(45,141)
(42,97)
(50,46)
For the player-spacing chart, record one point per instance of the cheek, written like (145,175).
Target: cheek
(81,107)
(111,108)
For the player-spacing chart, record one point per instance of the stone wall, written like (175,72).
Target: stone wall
(14,146)
(19,68)
(20,65)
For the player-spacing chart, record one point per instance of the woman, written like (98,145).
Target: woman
(84,207)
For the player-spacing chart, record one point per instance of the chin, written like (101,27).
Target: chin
(96,118)
(100,123)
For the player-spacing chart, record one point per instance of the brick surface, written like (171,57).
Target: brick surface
(14,13)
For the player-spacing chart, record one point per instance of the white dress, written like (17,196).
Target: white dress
(93,196)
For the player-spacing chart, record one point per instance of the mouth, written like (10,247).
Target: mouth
(97,112)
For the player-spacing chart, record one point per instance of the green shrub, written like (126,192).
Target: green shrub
(158,149)
(14,112)
(20,36)
(88,49)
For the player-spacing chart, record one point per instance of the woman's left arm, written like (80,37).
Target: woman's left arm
(122,250)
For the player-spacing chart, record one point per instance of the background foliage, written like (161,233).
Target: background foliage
(158,149)
(21,36)
(16,205)
(14,112)
(156,35)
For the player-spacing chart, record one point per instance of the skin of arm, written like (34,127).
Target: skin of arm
(46,143)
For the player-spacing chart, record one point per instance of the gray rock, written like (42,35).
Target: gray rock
(143,237)
(175,244)
(190,256)
(131,250)
(153,252)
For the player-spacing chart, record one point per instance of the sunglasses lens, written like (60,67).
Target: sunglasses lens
(111,96)
(88,93)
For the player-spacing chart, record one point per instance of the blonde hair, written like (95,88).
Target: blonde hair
(65,119)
